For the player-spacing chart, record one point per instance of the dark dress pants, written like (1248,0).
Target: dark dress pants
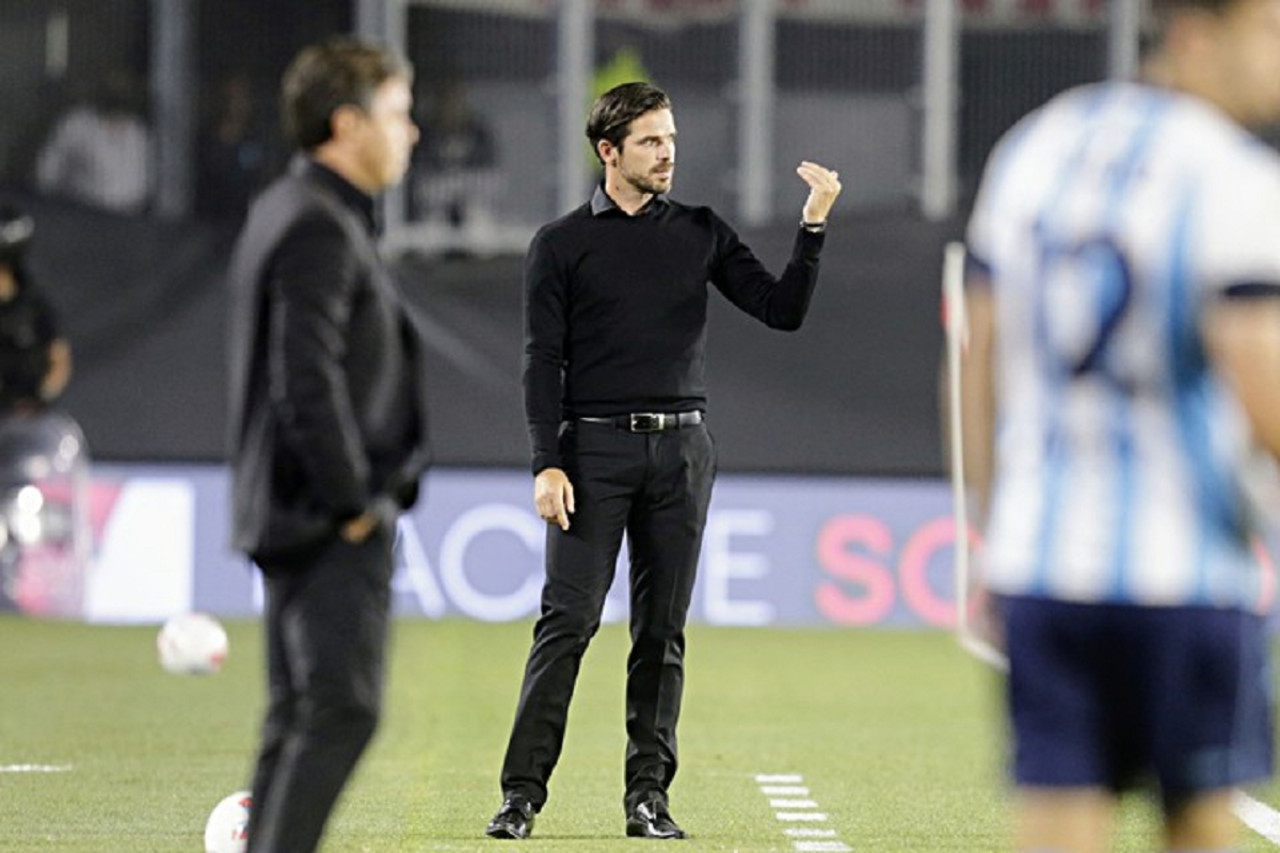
(326,635)
(656,487)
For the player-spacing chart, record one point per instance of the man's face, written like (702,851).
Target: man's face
(386,134)
(1247,46)
(647,157)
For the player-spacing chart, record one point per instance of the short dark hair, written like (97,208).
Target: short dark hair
(337,72)
(613,112)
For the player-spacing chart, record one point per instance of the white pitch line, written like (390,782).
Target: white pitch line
(793,804)
(1256,815)
(822,847)
(808,832)
(35,768)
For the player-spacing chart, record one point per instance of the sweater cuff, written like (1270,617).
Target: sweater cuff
(544,441)
(543,461)
(809,243)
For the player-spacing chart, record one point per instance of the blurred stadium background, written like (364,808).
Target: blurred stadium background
(902,97)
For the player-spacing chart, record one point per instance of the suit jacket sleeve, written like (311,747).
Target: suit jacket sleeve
(315,278)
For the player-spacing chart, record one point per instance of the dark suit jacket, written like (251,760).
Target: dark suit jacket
(327,410)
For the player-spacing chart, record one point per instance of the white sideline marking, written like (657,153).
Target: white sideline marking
(808,832)
(35,768)
(792,784)
(1256,815)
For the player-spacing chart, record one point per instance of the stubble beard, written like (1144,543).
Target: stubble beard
(652,183)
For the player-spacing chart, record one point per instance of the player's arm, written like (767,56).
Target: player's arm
(1243,338)
(1241,322)
(977,383)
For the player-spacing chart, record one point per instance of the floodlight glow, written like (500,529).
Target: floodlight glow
(29,501)
(27,529)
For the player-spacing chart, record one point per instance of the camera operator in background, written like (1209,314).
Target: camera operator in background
(35,364)
(35,360)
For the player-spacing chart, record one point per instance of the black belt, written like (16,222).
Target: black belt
(649,421)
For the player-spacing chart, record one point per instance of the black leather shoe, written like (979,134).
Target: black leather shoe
(651,819)
(513,821)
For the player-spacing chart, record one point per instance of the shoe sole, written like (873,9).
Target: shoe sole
(641,833)
(504,834)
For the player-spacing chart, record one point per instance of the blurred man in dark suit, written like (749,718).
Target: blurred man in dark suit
(327,423)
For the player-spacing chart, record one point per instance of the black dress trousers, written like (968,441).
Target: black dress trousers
(656,488)
(327,624)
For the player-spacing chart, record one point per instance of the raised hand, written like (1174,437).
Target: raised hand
(824,188)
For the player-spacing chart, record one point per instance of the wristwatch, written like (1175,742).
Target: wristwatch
(814,227)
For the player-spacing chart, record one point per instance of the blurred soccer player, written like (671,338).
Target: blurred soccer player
(615,327)
(1121,397)
(327,428)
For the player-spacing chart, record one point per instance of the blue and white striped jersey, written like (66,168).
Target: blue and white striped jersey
(1106,222)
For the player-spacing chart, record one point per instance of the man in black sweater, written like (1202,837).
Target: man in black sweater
(615,339)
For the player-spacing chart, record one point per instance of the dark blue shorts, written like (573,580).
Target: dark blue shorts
(1113,696)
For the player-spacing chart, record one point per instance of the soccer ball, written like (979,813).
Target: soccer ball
(228,828)
(192,644)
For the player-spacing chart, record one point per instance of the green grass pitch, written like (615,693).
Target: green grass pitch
(898,736)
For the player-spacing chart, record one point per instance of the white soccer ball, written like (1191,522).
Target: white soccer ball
(228,828)
(192,644)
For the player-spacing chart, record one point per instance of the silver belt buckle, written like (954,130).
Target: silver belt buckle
(645,422)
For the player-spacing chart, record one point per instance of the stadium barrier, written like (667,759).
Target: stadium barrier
(778,551)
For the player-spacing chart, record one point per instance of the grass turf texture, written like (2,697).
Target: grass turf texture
(897,735)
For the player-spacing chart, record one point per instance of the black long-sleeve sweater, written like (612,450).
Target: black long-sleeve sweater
(616,309)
